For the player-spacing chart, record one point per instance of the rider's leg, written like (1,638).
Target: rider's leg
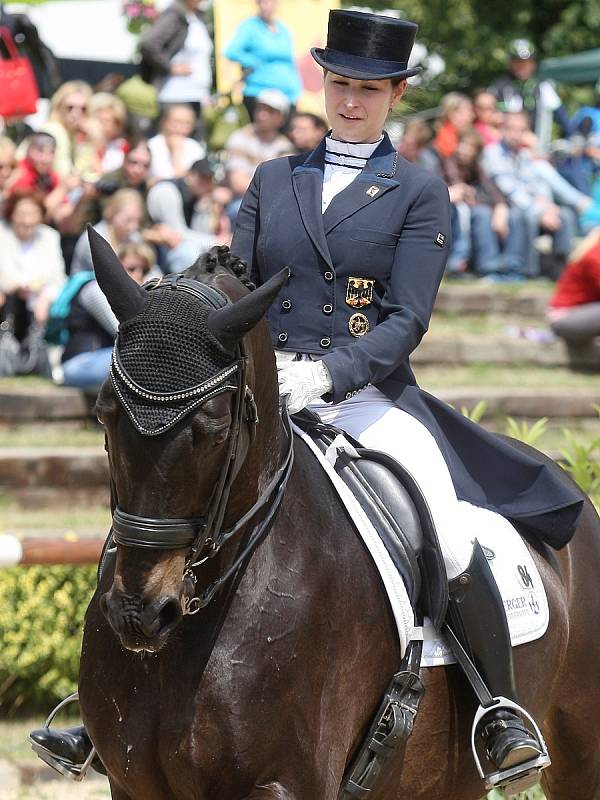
(71,747)
(476,615)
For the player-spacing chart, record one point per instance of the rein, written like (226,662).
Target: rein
(204,535)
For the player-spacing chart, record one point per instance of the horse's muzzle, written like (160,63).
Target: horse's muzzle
(140,625)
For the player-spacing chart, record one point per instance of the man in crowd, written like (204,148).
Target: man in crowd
(306,130)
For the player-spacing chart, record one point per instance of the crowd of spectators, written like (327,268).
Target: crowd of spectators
(161,196)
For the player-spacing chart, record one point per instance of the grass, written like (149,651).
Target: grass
(51,435)
(452,324)
(488,375)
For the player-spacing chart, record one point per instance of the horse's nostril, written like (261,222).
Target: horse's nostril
(170,614)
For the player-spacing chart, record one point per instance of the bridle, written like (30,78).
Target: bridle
(204,536)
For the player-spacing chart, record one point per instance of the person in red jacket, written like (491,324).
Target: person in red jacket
(574,312)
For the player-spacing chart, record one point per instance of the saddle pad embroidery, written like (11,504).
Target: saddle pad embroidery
(513,567)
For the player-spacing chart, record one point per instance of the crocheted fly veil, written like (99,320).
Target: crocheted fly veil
(166,361)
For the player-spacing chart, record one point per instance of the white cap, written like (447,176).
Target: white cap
(275,99)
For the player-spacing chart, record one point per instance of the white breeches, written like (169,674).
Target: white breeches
(378,424)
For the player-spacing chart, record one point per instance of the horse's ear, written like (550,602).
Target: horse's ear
(231,323)
(124,295)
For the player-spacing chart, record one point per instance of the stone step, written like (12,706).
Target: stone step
(49,403)
(530,403)
(481,298)
(469,349)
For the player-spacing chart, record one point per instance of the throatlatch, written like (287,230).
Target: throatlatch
(503,732)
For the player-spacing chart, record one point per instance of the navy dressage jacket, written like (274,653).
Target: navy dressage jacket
(364,277)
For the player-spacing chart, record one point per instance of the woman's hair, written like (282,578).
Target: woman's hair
(8,149)
(475,138)
(138,250)
(452,102)
(104,100)
(119,200)
(591,240)
(14,198)
(419,131)
(61,94)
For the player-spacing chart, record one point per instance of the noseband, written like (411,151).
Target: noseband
(203,536)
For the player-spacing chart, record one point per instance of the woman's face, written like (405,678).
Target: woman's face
(178,122)
(266,9)
(136,266)
(462,117)
(126,222)
(357,109)
(111,126)
(73,110)
(25,219)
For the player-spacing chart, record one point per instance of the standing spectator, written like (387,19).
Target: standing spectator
(520,90)
(531,185)
(262,46)
(8,162)
(176,55)
(32,269)
(77,135)
(259,141)
(111,115)
(574,312)
(488,119)
(456,116)
(173,150)
(121,223)
(92,326)
(305,131)
(494,237)
(27,38)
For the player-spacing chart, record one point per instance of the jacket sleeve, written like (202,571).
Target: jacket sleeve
(406,308)
(247,227)
(153,43)
(240,48)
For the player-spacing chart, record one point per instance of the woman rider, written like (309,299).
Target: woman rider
(365,236)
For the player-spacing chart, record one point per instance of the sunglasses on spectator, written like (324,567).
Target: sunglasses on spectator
(8,165)
(75,107)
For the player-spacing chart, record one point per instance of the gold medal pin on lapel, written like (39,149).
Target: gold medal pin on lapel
(359,292)
(358,324)
(372,191)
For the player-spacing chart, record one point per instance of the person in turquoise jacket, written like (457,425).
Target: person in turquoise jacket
(262,46)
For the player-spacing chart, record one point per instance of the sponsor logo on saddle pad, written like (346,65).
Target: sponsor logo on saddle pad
(359,292)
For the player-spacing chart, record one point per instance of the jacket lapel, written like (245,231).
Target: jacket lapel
(372,183)
(307,181)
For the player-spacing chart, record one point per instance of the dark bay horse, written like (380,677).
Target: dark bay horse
(265,693)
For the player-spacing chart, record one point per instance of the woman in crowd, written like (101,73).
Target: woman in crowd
(8,163)
(488,118)
(32,269)
(121,222)
(262,46)
(78,137)
(456,116)
(574,312)
(173,151)
(110,114)
(92,326)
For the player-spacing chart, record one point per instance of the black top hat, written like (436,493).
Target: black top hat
(367,46)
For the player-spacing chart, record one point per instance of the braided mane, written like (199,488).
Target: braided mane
(220,259)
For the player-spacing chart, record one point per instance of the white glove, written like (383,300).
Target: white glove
(303,382)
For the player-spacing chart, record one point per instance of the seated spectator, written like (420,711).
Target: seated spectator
(92,326)
(111,115)
(133,174)
(488,118)
(256,142)
(187,206)
(120,224)
(8,163)
(485,231)
(77,135)
(305,131)
(173,151)
(574,312)
(456,116)
(32,269)
(415,146)
(531,185)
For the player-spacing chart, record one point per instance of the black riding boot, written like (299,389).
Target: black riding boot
(476,616)
(66,750)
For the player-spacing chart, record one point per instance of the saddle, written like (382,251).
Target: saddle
(397,509)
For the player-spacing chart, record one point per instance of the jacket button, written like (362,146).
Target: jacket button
(348,395)
(327,308)
(283,337)
(325,341)
(286,304)
(328,275)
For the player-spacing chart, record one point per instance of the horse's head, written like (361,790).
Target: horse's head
(180,412)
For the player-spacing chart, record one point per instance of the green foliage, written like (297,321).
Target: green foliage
(582,460)
(41,622)
(534,794)
(524,432)
(476,413)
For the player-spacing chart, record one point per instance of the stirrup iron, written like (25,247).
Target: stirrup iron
(522,776)
(75,772)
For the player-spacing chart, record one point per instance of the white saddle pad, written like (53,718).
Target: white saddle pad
(516,574)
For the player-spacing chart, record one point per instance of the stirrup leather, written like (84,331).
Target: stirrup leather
(522,776)
(76,772)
